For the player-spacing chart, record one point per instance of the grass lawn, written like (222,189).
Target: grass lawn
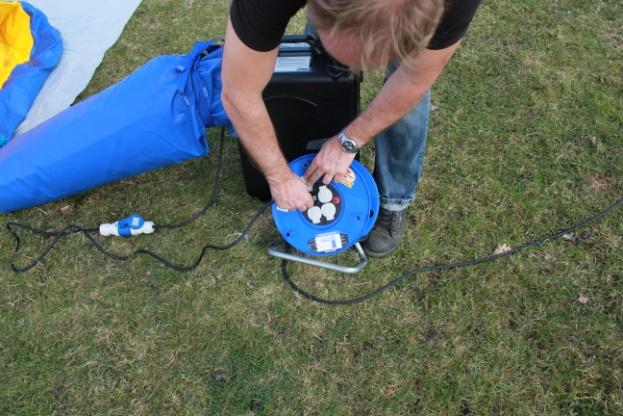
(526,138)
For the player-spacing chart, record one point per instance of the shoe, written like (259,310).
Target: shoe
(389,229)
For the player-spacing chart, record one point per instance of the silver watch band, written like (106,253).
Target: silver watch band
(348,144)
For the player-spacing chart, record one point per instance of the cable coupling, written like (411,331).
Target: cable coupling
(128,227)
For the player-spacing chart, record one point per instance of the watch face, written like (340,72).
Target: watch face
(349,146)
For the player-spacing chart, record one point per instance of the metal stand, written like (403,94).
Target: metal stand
(276,250)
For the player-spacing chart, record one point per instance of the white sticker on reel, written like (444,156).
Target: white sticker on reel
(326,243)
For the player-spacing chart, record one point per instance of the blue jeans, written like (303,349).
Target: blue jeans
(399,151)
(400,155)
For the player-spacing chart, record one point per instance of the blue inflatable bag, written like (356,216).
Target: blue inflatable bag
(155,117)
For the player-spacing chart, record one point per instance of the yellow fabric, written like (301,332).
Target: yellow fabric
(16,41)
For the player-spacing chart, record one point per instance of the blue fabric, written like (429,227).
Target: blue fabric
(400,155)
(155,117)
(26,80)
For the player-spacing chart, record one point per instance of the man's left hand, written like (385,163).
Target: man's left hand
(330,163)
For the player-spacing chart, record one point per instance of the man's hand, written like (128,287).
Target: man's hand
(290,192)
(330,163)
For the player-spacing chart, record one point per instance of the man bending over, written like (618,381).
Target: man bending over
(415,39)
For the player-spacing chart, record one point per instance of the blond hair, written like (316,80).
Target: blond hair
(392,29)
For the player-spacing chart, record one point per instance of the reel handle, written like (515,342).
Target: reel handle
(276,250)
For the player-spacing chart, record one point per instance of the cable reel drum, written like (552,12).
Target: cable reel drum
(343,214)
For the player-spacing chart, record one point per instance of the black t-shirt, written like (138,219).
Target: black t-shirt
(260,24)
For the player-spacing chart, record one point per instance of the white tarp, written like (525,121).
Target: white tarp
(89,28)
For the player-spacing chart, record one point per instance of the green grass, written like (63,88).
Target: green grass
(526,139)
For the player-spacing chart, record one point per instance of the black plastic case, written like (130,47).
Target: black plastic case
(307,104)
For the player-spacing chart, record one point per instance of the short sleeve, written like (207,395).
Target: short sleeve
(454,23)
(260,24)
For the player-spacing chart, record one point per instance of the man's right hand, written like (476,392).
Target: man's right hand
(290,192)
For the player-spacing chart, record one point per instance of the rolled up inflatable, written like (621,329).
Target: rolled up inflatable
(30,49)
(155,117)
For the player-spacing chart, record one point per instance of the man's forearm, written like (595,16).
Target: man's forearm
(250,118)
(245,74)
(242,99)
(404,89)
(257,135)
(393,101)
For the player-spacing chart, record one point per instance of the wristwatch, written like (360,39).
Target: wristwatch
(348,144)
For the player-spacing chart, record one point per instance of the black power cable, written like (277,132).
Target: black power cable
(77,229)
(447,266)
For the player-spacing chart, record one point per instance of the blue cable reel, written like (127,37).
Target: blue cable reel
(343,214)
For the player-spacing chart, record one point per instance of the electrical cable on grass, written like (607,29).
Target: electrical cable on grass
(72,229)
(444,266)
(75,229)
